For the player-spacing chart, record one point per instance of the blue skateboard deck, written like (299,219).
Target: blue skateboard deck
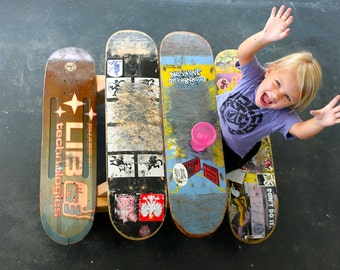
(196,180)
(134,136)
(69,146)
(252,197)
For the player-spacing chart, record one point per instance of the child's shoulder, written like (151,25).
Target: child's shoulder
(254,66)
(252,73)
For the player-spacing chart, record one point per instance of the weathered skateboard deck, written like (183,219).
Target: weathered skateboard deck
(252,197)
(196,180)
(68,150)
(134,140)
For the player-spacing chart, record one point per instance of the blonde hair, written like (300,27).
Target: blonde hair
(308,72)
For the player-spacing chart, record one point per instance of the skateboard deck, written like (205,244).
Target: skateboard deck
(252,190)
(196,179)
(134,139)
(68,150)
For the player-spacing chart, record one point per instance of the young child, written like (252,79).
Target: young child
(266,99)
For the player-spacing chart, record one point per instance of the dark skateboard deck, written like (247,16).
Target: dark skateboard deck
(252,196)
(196,179)
(134,141)
(68,150)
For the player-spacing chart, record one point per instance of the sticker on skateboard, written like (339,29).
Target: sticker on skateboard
(68,150)
(252,197)
(195,166)
(134,138)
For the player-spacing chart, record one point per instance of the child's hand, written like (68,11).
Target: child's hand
(276,27)
(330,114)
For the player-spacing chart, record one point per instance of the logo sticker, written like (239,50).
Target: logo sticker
(211,173)
(187,77)
(193,166)
(151,207)
(115,68)
(180,174)
(266,179)
(144,230)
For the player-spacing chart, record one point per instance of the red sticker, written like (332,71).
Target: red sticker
(151,207)
(193,166)
(211,173)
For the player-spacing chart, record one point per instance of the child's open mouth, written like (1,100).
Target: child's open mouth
(265,100)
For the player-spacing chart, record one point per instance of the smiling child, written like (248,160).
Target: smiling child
(266,98)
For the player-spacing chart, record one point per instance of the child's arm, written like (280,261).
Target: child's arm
(327,116)
(275,29)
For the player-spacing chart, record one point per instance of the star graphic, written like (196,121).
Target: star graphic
(60,111)
(74,103)
(91,114)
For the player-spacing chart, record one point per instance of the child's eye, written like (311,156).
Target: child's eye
(288,98)
(278,84)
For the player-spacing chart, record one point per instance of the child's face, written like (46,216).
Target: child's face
(278,90)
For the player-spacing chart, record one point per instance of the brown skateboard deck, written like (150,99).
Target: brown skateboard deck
(252,197)
(134,141)
(68,150)
(196,178)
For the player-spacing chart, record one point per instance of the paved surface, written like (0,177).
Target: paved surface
(307,171)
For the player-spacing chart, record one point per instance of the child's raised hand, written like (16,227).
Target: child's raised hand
(276,27)
(330,114)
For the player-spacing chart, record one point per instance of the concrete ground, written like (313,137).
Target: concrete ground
(307,171)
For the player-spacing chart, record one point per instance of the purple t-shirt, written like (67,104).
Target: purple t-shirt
(243,124)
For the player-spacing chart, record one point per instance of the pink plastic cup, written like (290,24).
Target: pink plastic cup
(203,134)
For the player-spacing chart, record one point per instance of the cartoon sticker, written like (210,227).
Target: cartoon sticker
(150,165)
(121,166)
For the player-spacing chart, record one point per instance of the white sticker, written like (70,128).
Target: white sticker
(115,67)
(236,176)
(180,174)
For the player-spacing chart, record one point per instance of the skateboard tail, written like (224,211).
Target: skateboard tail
(205,221)
(68,149)
(62,239)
